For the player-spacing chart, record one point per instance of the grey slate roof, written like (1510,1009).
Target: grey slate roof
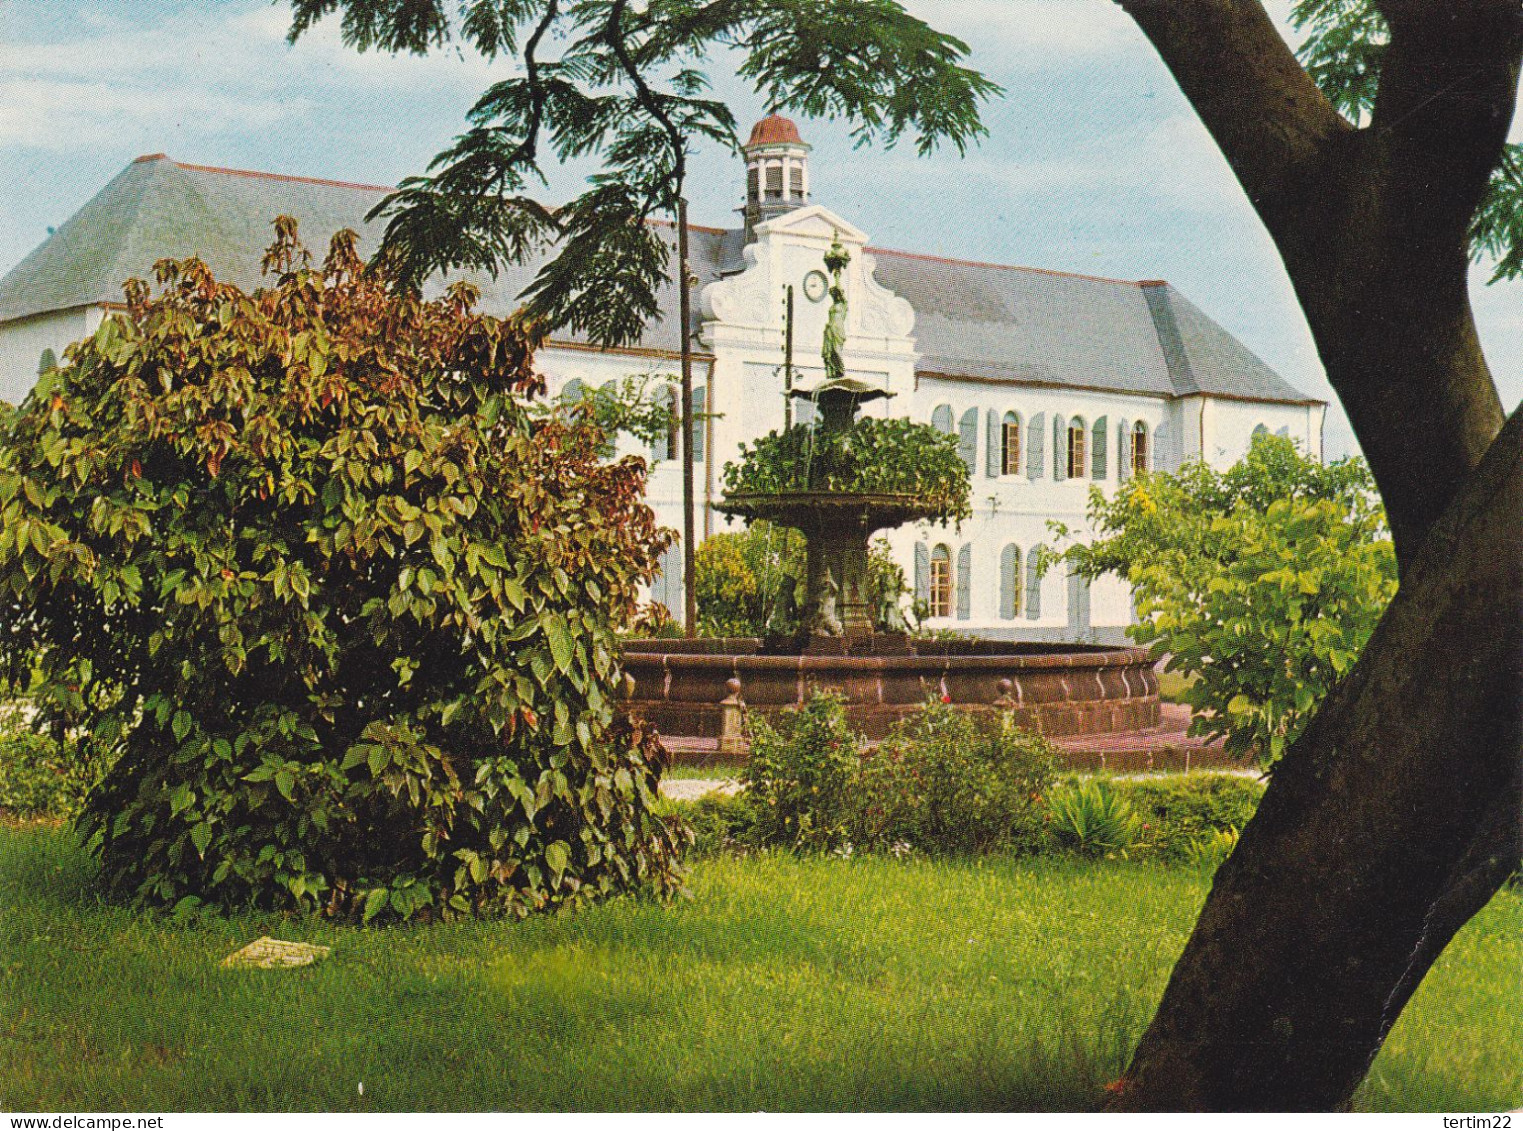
(973,321)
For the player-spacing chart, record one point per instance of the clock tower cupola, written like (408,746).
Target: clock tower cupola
(777,171)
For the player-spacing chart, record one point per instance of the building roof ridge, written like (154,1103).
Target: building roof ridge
(924,258)
(259,174)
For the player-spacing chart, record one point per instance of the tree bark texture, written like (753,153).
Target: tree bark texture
(1391,821)
(1396,815)
(1371,223)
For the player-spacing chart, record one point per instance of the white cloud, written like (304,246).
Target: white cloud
(1031,30)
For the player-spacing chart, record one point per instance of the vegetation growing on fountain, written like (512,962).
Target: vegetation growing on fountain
(873,457)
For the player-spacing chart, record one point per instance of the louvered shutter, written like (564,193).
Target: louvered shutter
(1123,451)
(965,582)
(941,418)
(1009,578)
(994,439)
(673,570)
(1160,443)
(1036,447)
(1283,430)
(1097,461)
(658,446)
(1033,585)
(573,392)
(922,573)
(700,423)
(1059,448)
(967,440)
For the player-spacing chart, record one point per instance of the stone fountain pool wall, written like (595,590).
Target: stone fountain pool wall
(1059,690)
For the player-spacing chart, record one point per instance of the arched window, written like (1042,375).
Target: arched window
(1010,582)
(941,418)
(1140,451)
(573,393)
(941,581)
(1260,430)
(48,361)
(1010,436)
(1078,436)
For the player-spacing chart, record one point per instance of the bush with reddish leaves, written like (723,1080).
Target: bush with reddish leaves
(339,611)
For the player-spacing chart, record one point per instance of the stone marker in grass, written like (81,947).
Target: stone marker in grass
(274,954)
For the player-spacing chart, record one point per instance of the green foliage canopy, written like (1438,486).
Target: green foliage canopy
(1265,581)
(623,83)
(342,612)
(890,456)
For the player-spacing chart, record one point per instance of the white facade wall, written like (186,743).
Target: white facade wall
(23,341)
(739,368)
(1230,425)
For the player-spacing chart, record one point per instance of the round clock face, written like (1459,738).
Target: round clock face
(815,286)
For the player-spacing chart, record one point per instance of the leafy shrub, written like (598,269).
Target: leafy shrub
(347,613)
(1264,582)
(720,822)
(1093,819)
(874,455)
(1179,812)
(739,574)
(946,781)
(36,778)
(1208,852)
(801,774)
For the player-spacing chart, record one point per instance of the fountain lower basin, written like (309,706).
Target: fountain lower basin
(1058,690)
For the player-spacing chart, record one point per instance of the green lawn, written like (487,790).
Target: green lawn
(782,984)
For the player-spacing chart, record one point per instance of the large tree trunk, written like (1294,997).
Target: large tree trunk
(1397,814)
(1390,822)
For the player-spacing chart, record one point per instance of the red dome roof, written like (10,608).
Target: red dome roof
(775,130)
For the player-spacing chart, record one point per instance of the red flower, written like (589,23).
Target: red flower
(945,698)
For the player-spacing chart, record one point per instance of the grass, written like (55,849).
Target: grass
(689,772)
(782,984)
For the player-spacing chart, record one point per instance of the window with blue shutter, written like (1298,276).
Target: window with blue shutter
(1033,585)
(967,440)
(922,574)
(1010,582)
(665,447)
(994,455)
(1036,448)
(49,360)
(573,393)
(1160,446)
(1097,460)
(1078,602)
(1260,430)
(700,423)
(1059,448)
(1283,430)
(941,418)
(1123,451)
(965,581)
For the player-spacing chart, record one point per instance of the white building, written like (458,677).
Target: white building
(1053,382)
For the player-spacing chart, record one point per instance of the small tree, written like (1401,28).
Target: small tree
(342,612)
(1264,582)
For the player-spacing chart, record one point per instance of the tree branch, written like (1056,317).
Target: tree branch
(1448,89)
(1271,122)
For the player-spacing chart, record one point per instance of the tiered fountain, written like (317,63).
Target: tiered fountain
(830,492)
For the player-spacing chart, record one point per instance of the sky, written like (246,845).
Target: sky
(1094,162)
